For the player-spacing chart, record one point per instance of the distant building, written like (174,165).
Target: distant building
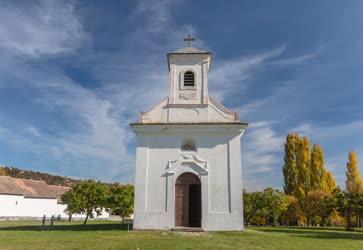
(23,198)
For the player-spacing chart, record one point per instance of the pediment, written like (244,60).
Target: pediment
(211,112)
(187,161)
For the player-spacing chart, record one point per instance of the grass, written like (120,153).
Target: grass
(110,235)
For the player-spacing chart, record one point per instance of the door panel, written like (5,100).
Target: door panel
(181,205)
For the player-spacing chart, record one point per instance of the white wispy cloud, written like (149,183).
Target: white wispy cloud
(98,138)
(295,60)
(158,12)
(262,148)
(46,27)
(352,130)
(231,75)
(32,131)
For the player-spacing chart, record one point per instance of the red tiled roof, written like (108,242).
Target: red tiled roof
(8,185)
(58,191)
(31,188)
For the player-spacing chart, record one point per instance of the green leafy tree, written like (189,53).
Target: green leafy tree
(293,214)
(348,204)
(360,208)
(320,206)
(248,207)
(275,202)
(121,200)
(263,208)
(252,204)
(86,197)
(354,183)
(67,198)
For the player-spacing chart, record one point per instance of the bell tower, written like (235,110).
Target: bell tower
(188,74)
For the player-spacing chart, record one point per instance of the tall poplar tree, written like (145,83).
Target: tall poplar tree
(303,167)
(318,171)
(305,172)
(330,184)
(290,169)
(353,182)
(320,177)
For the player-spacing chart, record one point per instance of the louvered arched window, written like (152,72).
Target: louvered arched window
(189,79)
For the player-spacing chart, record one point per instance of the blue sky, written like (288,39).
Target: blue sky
(74,74)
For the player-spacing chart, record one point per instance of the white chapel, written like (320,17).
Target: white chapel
(188,158)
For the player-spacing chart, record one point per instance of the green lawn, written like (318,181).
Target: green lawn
(109,235)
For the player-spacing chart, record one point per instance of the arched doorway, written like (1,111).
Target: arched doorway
(188,202)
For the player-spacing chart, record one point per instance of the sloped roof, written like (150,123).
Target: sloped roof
(37,189)
(31,188)
(189,50)
(10,185)
(58,191)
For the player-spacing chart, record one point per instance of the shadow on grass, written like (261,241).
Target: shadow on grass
(90,227)
(315,233)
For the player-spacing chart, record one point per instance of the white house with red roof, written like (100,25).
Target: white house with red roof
(24,198)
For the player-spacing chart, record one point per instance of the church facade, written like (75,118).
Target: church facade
(188,157)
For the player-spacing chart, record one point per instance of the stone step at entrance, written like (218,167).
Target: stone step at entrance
(187,229)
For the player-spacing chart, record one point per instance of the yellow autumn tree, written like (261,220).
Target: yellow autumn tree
(329,183)
(353,182)
(317,167)
(289,169)
(320,177)
(303,166)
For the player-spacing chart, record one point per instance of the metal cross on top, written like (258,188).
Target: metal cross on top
(189,39)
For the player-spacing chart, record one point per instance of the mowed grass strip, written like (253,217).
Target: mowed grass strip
(111,235)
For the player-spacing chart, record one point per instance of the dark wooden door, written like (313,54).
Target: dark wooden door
(188,204)
(181,205)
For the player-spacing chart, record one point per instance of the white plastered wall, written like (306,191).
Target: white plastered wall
(220,178)
(17,206)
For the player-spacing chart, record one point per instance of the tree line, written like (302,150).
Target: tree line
(311,196)
(90,197)
(50,179)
